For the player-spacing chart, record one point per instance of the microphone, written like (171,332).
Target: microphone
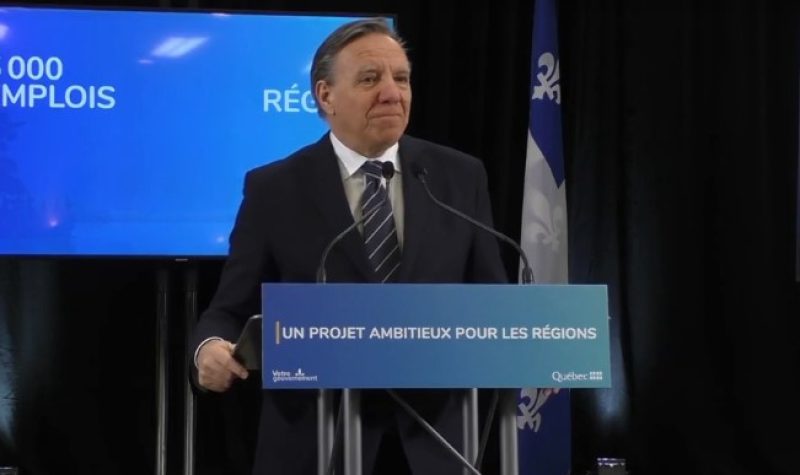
(527,273)
(527,278)
(387,171)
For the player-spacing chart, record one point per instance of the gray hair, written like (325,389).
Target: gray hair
(325,57)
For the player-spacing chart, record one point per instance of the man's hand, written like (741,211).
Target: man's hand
(216,367)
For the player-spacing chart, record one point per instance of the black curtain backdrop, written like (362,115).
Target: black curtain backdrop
(681,141)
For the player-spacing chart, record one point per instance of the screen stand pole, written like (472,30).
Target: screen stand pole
(190,411)
(162,314)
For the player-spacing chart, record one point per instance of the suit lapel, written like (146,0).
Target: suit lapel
(417,206)
(328,195)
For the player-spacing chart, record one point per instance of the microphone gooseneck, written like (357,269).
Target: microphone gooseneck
(527,273)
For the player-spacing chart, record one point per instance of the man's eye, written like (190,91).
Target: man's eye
(368,80)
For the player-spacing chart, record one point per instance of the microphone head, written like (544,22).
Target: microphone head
(387,170)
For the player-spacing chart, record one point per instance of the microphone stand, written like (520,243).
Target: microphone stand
(505,399)
(439,438)
(347,426)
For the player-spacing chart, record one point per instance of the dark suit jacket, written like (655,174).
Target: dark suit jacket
(291,210)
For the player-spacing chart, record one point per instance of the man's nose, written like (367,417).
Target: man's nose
(390,91)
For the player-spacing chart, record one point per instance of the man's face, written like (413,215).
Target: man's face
(368,101)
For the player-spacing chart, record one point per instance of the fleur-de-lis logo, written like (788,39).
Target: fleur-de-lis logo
(548,79)
(531,418)
(546,225)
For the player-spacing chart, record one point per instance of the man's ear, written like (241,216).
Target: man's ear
(324,97)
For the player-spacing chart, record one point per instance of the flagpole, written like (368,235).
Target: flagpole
(544,432)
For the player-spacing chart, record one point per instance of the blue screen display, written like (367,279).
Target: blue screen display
(128,133)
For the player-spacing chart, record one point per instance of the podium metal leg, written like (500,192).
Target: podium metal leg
(469,411)
(325,429)
(509,457)
(351,399)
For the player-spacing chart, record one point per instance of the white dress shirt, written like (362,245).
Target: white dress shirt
(355,182)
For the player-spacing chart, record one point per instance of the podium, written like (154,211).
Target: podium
(439,336)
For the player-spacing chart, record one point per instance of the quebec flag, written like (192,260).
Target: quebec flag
(543,415)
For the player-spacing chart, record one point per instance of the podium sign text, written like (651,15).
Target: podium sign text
(435,336)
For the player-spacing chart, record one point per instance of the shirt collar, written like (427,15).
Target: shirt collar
(352,160)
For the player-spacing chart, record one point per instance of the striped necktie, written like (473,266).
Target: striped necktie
(380,236)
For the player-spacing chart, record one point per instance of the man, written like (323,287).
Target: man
(293,208)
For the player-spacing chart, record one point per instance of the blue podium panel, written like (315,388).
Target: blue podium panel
(435,336)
